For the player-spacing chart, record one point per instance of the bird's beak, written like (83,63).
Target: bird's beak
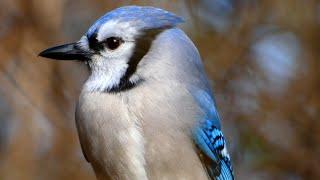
(66,52)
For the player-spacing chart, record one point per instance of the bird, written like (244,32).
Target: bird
(147,110)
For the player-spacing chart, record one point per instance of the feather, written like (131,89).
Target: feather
(142,17)
(210,141)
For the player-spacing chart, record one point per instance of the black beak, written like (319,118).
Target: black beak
(66,52)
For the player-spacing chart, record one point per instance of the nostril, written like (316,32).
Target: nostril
(94,43)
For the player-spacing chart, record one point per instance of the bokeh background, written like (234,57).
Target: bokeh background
(261,55)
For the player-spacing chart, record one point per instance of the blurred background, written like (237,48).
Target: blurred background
(261,55)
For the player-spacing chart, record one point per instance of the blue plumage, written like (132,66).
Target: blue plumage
(144,17)
(210,140)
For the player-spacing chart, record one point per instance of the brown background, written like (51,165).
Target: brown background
(263,57)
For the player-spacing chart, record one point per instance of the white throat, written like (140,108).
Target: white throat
(105,74)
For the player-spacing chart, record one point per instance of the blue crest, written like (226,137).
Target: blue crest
(145,17)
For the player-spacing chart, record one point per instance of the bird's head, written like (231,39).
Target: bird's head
(115,44)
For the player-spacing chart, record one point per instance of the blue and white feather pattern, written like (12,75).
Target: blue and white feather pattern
(210,140)
(143,17)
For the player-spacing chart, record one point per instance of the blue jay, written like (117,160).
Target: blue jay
(146,111)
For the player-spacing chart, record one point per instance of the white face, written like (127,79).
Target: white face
(112,46)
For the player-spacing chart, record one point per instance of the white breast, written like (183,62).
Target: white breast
(111,135)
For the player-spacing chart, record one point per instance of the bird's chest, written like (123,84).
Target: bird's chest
(122,134)
(109,132)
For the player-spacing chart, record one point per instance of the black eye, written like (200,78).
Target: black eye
(113,43)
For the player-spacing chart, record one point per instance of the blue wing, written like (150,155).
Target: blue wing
(210,141)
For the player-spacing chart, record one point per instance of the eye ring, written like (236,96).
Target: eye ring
(113,43)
